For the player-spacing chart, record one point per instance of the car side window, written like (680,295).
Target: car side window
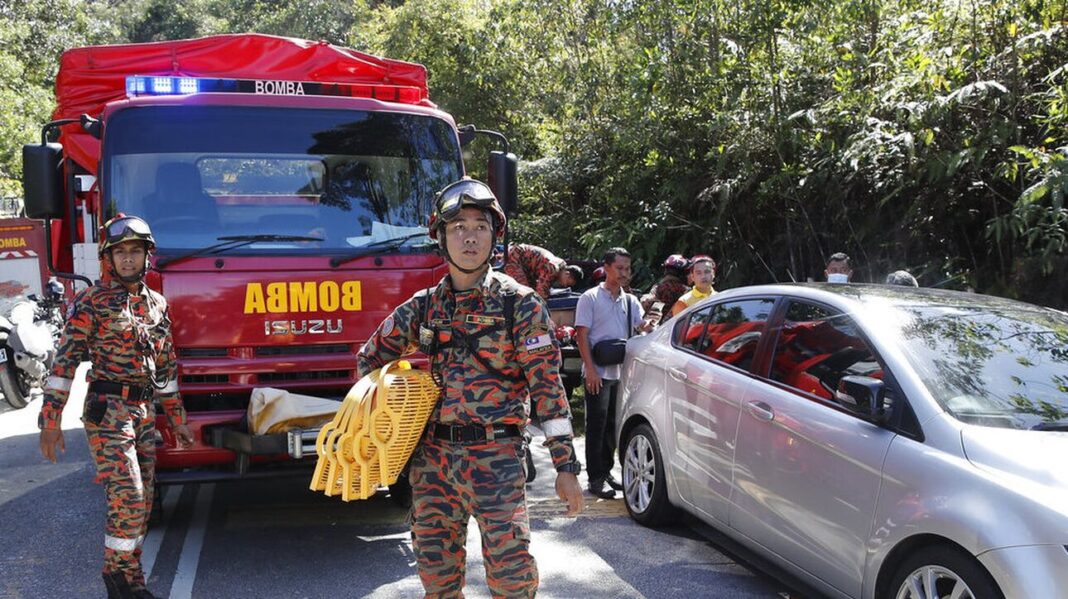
(690,331)
(816,347)
(731,330)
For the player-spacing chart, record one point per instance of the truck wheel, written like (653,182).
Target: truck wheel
(16,393)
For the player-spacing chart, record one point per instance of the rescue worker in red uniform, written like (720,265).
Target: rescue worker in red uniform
(121,327)
(487,361)
(534,266)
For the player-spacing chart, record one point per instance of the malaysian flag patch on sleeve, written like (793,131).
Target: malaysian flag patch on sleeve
(538,342)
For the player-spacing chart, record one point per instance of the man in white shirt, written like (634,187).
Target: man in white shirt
(605,312)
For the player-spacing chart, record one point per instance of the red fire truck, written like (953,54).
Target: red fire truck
(288,184)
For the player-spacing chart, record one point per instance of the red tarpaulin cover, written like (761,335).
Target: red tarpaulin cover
(89,78)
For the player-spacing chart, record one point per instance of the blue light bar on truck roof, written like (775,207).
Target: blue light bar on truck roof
(152,85)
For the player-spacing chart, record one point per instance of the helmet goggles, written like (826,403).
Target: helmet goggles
(124,229)
(464,193)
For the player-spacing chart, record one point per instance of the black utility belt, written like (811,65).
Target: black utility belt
(474,433)
(128,392)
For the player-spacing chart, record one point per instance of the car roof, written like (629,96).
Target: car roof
(859,294)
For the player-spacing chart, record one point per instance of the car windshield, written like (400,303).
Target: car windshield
(346,179)
(1000,366)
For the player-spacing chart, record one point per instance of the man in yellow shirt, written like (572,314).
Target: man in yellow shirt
(702,274)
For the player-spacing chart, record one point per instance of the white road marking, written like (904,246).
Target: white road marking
(154,538)
(186,574)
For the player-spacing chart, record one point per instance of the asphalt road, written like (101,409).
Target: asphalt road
(275,538)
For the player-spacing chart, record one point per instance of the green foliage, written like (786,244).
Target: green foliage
(32,36)
(914,134)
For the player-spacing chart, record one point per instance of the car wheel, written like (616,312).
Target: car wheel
(644,482)
(941,572)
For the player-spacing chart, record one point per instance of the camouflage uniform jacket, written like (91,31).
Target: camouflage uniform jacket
(668,290)
(106,325)
(492,386)
(533,266)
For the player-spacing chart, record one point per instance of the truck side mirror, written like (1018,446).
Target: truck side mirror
(504,181)
(42,180)
(466,134)
(864,396)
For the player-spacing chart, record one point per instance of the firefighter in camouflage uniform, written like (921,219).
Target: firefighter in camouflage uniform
(121,327)
(489,345)
(533,266)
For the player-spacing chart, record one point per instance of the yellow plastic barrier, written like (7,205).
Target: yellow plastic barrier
(325,477)
(374,431)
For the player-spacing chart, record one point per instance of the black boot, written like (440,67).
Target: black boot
(117,585)
(144,594)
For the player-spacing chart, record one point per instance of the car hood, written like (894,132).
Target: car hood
(1036,456)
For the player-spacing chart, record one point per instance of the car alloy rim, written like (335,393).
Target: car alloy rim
(934,582)
(639,473)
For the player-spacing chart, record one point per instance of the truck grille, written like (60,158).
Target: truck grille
(205,378)
(319,375)
(302,350)
(202,352)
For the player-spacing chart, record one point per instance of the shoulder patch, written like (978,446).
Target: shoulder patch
(536,342)
(387,325)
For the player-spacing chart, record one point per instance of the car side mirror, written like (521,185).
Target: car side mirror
(864,396)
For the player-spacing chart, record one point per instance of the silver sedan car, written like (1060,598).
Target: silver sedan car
(875,441)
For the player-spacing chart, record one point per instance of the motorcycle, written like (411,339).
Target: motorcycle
(29,336)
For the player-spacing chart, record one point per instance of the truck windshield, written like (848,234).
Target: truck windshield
(349,178)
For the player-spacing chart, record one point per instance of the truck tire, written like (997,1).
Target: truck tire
(12,387)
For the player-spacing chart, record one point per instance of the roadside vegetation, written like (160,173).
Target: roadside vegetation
(919,134)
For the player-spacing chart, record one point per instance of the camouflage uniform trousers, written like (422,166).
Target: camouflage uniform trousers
(123,446)
(452,482)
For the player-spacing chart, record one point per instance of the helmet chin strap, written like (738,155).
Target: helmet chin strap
(136,278)
(140,276)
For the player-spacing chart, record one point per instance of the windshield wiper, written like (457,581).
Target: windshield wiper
(1053,425)
(231,242)
(378,247)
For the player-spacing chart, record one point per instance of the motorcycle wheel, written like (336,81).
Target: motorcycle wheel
(14,392)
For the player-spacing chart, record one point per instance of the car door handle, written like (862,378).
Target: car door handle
(677,374)
(761,411)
